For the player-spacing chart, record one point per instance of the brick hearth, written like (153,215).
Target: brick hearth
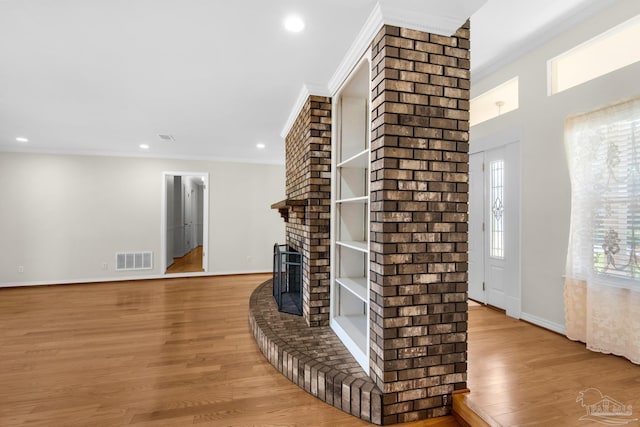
(312,357)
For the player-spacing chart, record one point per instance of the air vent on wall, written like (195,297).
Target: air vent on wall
(134,261)
(166,137)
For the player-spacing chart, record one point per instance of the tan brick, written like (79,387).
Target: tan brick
(414,34)
(412,395)
(420,144)
(417,77)
(413,55)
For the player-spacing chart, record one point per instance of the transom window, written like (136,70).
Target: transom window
(610,51)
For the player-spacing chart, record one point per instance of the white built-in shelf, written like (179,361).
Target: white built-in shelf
(355,327)
(356,285)
(359,161)
(354,244)
(350,214)
(359,199)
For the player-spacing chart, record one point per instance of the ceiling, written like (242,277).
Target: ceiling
(104,76)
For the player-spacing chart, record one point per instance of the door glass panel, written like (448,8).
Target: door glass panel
(497,209)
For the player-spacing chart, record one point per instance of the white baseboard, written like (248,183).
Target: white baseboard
(128,278)
(513,307)
(543,323)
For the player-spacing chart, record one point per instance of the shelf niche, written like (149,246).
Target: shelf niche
(350,214)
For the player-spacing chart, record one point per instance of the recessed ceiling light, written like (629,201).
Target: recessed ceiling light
(22,139)
(294,24)
(144,146)
(260,145)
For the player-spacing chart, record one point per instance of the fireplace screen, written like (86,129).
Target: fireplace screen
(287,279)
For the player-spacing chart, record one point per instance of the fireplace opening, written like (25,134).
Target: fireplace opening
(287,279)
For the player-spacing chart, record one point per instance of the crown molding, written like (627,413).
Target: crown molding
(371,27)
(136,155)
(428,22)
(442,17)
(541,37)
(432,16)
(306,91)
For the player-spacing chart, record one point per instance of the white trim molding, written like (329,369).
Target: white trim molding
(371,27)
(131,278)
(543,35)
(543,323)
(431,16)
(442,17)
(306,91)
(73,152)
(164,228)
(494,140)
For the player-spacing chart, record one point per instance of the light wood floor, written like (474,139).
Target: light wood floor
(523,375)
(172,352)
(190,263)
(178,352)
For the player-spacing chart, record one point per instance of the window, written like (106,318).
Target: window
(494,102)
(603,148)
(497,208)
(603,54)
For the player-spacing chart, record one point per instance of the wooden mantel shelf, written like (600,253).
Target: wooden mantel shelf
(286,206)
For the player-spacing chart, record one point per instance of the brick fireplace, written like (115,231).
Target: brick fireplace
(418,208)
(307,207)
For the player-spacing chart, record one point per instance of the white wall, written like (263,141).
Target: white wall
(63,216)
(539,125)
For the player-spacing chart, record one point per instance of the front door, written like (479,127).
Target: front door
(494,227)
(476,227)
(494,215)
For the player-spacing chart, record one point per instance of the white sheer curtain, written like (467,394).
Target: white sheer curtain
(602,285)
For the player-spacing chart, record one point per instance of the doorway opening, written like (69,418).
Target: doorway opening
(494,227)
(185,222)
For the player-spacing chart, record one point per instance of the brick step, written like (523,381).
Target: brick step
(468,414)
(313,358)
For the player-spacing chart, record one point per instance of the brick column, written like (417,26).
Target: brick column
(308,165)
(419,193)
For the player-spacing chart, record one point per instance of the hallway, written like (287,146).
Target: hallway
(190,263)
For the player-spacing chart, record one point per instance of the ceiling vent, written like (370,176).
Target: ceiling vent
(166,137)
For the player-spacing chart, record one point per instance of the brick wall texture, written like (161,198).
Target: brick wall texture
(308,159)
(419,194)
(419,204)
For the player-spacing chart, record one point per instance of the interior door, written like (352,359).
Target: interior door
(188,219)
(476,227)
(495,258)
(200,220)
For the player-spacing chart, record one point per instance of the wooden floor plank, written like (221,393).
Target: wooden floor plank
(179,351)
(189,263)
(523,375)
(169,352)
